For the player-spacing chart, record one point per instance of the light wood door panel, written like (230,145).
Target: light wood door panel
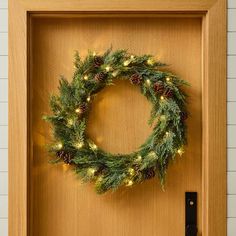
(60,204)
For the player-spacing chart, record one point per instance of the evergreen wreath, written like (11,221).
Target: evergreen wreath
(70,112)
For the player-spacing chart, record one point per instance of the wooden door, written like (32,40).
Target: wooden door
(59,204)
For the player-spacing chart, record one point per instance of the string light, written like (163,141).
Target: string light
(91,171)
(180,151)
(139,158)
(129,182)
(88,99)
(78,110)
(150,61)
(131,171)
(115,73)
(162,98)
(132,57)
(93,146)
(148,82)
(79,145)
(167,79)
(107,68)
(59,145)
(94,54)
(126,63)
(85,77)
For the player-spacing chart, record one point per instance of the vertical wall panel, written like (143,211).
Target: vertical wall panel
(231,20)
(3,227)
(3,44)
(232,161)
(3,90)
(3,160)
(4,66)
(4,20)
(232,42)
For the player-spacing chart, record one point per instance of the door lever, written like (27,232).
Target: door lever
(191,214)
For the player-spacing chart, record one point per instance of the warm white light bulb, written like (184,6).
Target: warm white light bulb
(150,61)
(79,145)
(131,171)
(88,99)
(115,73)
(180,151)
(126,63)
(94,54)
(129,183)
(85,77)
(78,110)
(162,97)
(91,171)
(148,81)
(59,145)
(139,158)
(132,56)
(108,68)
(94,146)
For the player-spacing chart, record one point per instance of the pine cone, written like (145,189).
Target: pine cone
(83,107)
(183,116)
(101,170)
(97,61)
(101,76)
(149,173)
(158,87)
(135,78)
(168,93)
(65,156)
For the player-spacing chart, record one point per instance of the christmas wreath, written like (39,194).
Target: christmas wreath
(70,112)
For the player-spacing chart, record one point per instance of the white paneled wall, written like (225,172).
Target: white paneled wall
(3,119)
(231,192)
(231,121)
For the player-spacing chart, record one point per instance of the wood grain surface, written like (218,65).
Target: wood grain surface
(60,204)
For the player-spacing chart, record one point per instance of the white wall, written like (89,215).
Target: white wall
(231,219)
(231,122)
(3,118)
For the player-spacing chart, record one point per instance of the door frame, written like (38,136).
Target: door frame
(213,13)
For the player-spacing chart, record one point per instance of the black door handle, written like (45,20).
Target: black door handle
(191,214)
(191,230)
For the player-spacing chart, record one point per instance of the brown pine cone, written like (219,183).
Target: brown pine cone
(135,78)
(158,87)
(65,156)
(101,170)
(83,107)
(101,76)
(168,93)
(98,61)
(183,116)
(149,173)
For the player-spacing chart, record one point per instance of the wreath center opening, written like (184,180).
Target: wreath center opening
(118,119)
